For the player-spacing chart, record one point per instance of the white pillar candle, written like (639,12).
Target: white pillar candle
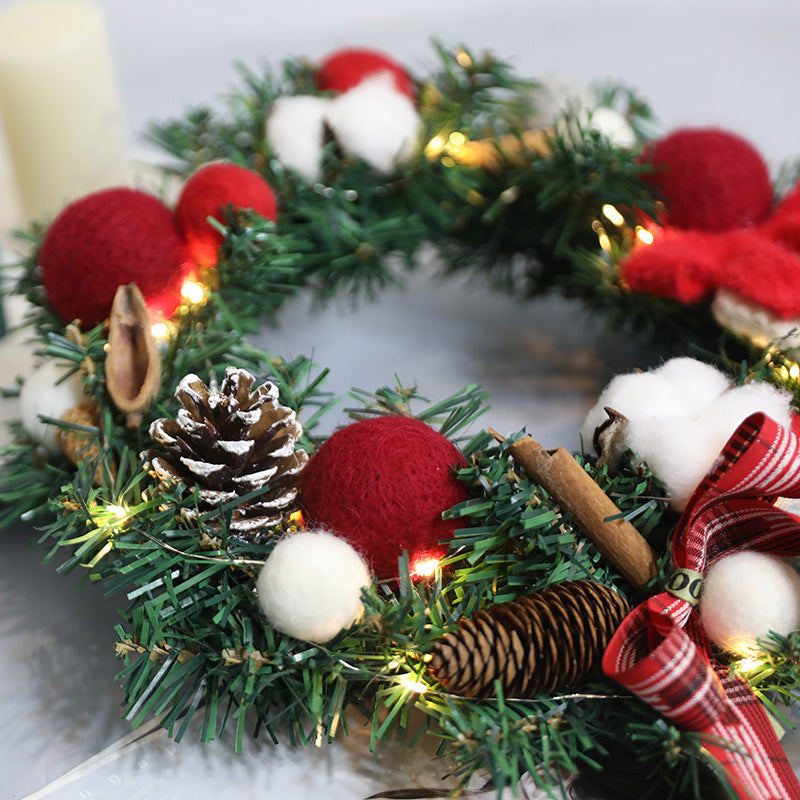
(59,103)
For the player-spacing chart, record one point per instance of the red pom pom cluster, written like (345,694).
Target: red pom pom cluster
(118,236)
(206,193)
(721,230)
(345,69)
(382,485)
(106,240)
(711,180)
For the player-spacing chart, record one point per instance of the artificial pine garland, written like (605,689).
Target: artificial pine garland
(192,639)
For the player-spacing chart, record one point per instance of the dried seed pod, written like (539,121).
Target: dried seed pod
(133,363)
(79,445)
(610,440)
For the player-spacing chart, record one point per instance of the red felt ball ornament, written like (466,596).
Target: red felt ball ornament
(206,193)
(382,485)
(711,180)
(345,69)
(105,240)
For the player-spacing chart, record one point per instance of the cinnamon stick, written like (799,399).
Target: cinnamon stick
(573,489)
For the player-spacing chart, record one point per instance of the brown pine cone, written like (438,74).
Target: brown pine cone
(532,645)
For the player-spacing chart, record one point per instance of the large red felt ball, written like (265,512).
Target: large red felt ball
(105,240)
(345,69)
(382,484)
(711,180)
(210,189)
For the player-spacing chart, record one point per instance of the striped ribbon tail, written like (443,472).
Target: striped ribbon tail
(660,652)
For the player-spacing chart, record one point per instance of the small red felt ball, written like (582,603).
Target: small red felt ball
(345,69)
(711,180)
(105,240)
(382,485)
(206,193)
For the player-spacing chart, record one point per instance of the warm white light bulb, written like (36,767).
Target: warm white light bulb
(749,664)
(424,567)
(411,683)
(193,292)
(612,215)
(434,147)
(120,512)
(457,139)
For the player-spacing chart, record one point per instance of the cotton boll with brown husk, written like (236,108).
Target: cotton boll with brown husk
(569,106)
(680,386)
(680,450)
(555,94)
(678,418)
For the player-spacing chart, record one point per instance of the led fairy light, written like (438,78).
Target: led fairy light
(749,664)
(425,567)
(193,292)
(160,330)
(612,215)
(412,683)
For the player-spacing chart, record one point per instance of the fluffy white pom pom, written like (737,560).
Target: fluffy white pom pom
(310,586)
(296,132)
(48,392)
(376,122)
(745,596)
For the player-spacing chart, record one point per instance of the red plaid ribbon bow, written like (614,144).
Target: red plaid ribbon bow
(661,652)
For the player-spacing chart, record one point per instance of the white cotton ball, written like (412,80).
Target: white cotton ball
(700,383)
(680,416)
(678,450)
(613,126)
(636,395)
(295,131)
(310,586)
(679,387)
(734,406)
(747,594)
(556,94)
(48,393)
(376,122)
(681,450)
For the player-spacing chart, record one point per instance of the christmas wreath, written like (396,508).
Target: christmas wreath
(541,609)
